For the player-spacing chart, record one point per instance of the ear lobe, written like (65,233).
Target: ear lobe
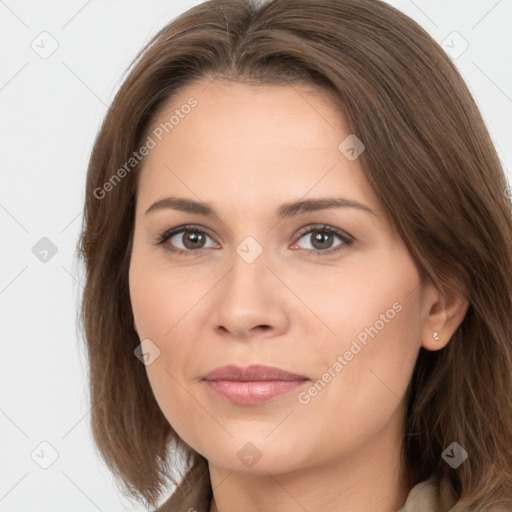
(448,308)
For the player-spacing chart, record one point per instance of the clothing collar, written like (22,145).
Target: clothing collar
(425,496)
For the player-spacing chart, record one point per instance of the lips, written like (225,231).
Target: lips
(253,384)
(253,373)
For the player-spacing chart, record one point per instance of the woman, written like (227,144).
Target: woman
(297,241)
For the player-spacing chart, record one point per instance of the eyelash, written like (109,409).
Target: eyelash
(347,240)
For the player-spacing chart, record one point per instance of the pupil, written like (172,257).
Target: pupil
(321,239)
(193,238)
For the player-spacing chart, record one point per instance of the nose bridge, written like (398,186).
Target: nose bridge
(250,295)
(249,273)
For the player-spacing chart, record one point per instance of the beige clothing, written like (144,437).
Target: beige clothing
(423,497)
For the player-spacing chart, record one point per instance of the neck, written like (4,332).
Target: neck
(371,478)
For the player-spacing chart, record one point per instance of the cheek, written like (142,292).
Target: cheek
(163,314)
(177,394)
(373,300)
(374,317)
(162,299)
(360,385)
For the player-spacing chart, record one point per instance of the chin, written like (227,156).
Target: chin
(254,455)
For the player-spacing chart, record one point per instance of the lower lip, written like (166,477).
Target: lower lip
(254,392)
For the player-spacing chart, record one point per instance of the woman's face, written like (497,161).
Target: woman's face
(328,294)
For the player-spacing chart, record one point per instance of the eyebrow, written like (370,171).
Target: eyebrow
(285,210)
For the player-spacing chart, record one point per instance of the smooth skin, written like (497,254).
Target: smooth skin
(245,150)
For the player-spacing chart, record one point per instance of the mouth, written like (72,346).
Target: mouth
(253,384)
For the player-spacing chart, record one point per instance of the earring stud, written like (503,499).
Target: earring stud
(435,336)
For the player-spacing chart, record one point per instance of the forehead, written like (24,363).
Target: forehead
(250,139)
(252,113)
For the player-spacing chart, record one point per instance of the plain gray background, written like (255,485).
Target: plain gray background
(51,108)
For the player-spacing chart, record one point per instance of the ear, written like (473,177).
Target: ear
(446,309)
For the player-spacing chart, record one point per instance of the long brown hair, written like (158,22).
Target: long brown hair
(431,163)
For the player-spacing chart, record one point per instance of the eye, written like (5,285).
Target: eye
(191,240)
(321,238)
(185,240)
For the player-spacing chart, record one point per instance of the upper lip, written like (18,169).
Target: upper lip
(254,372)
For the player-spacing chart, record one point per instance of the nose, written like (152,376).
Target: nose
(250,300)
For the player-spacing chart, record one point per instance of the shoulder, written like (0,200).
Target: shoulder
(427,496)
(193,494)
(195,500)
